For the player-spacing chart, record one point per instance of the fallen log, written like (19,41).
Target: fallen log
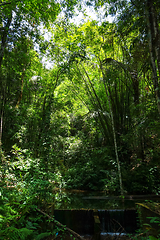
(61,225)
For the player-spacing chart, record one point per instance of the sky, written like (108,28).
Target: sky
(92,14)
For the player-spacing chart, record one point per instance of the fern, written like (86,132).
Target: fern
(42,235)
(13,233)
(25,233)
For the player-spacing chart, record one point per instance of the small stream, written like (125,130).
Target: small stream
(90,213)
(109,221)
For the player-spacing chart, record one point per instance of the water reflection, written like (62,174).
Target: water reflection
(90,200)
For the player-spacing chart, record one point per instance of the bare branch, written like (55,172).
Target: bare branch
(60,225)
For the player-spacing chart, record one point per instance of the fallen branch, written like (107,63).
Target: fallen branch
(61,225)
(120,227)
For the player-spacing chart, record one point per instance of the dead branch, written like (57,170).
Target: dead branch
(61,225)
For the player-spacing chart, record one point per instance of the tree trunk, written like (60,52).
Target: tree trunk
(153,48)
(1,127)
(2,48)
(114,137)
(4,39)
(97,105)
(156,32)
(1,150)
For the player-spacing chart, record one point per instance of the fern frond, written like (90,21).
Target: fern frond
(24,232)
(13,233)
(42,235)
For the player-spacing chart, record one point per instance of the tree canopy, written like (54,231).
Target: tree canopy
(90,121)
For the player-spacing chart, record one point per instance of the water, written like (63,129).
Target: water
(81,221)
(118,220)
(76,210)
(110,221)
(92,200)
(112,234)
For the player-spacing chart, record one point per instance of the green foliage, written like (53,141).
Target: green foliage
(153,238)
(88,170)
(19,218)
(42,235)
(16,234)
(137,183)
(56,127)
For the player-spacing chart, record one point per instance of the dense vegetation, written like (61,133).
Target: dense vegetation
(89,122)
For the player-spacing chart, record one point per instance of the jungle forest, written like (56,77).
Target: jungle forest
(79,108)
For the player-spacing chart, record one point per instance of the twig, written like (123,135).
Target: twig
(120,228)
(61,225)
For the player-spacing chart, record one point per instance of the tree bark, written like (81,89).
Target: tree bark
(156,32)
(154,49)
(4,39)
(1,130)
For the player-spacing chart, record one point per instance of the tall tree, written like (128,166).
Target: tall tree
(20,20)
(101,91)
(143,17)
